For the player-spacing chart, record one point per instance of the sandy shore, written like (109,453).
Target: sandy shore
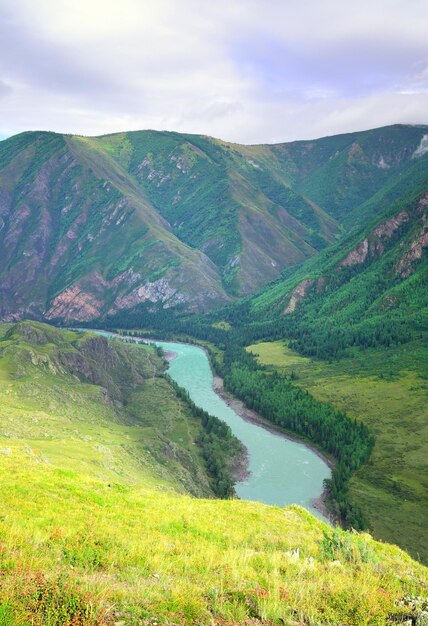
(251,416)
(169,356)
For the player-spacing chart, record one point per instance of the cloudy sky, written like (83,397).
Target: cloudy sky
(244,70)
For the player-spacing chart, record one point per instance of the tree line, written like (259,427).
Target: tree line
(276,399)
(218,445)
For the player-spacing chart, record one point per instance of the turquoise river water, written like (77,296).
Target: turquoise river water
(281,471)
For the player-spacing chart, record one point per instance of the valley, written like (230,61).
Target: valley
(275,469)
(388,391)
(301,270)
(280,471)
(97,525)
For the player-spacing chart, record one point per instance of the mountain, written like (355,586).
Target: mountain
(99,522)
(83,235)
(91,227)
(342,172)
(79,238)
(373,280)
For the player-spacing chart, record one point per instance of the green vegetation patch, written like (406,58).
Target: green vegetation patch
(388,391)
(96,407)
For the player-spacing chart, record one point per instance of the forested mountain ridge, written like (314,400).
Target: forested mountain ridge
(91,227)
(367,289)
(342,172)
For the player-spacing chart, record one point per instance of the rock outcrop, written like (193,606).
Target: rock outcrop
(415,251)
(74,304)
(374,244)
(157,291)
(298,294)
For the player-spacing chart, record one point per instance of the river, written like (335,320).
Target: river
(281,470)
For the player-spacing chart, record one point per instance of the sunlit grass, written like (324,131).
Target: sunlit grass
(145,553)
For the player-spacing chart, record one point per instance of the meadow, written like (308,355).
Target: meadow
(388,391)
(79,551)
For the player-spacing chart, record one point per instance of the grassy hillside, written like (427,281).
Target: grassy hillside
(101,409)
(80,551)
(95,451)
(388,391)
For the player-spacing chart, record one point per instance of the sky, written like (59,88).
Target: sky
(248,71)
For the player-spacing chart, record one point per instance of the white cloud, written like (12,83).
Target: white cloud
(422,148)
(244,70)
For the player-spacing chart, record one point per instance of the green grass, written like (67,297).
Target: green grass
(388,391)
(145,435)
(97,526)
(72,545)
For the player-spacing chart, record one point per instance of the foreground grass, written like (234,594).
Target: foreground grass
(74,550)
(388,390)
(97,527)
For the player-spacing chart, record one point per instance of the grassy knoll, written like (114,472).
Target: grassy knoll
(75,550)
(388,390)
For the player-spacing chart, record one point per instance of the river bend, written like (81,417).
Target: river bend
(281,471)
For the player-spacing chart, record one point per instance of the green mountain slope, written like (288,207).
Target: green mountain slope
(101,408)
(341,172)
(95,527)
(217,198)
(90,227)
(79,238)
(369,289)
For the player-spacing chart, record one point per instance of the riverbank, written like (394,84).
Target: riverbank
(278,468)
(320,503)
(241,471)
(240,467)
(169,355)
